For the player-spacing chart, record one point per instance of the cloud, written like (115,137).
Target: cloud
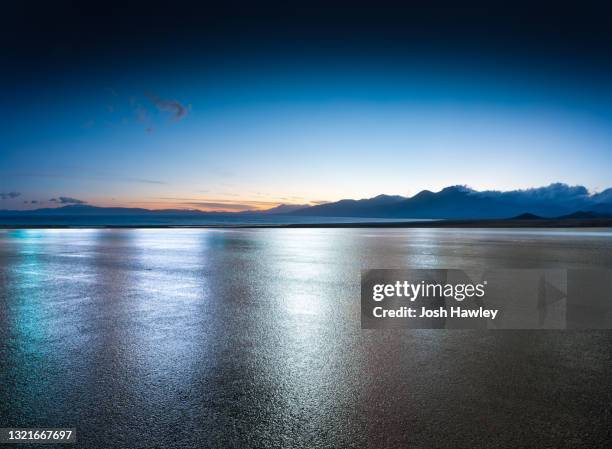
(9,195)
(67,200)
(215,203)
(553,192)
(233,207)
(96,176)
(176,109)
(142,116)
(142,111)
(143,181)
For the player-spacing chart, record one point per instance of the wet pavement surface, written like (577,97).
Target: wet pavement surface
(181,338)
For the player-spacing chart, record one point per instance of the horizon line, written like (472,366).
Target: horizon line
(237,206)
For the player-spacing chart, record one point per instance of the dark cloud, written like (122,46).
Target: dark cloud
(175,108)
(67,200)
(9,195)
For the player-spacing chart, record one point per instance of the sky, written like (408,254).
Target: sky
(248,106)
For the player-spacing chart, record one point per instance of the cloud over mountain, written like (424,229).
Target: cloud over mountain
(67,200)
(553,192)
(462,202)
(454,202)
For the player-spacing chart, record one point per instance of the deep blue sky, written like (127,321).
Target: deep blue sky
(185,106)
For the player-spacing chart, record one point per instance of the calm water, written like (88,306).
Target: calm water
(182,220)
(251,338)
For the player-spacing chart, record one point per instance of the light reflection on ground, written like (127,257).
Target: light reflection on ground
(251,337)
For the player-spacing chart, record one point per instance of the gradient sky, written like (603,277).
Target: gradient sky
(252,106)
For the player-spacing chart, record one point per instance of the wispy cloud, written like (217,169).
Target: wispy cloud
(177,110)
(90,177)
(9,195)
(142,109)
(143,181)
(214,203)
(67,200)
(234,207)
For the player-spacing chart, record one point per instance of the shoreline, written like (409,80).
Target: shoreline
(508,223)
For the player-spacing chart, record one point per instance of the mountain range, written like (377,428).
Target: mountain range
(454,202)
(461,202)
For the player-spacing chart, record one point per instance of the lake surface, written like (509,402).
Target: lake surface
(158,219)
(181,338)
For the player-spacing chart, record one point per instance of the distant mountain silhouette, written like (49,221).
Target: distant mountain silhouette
(280,209)
(527,216)
(87,210)
(372,207)
(586,215)
(461,202)
(604,197)
(455,202)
